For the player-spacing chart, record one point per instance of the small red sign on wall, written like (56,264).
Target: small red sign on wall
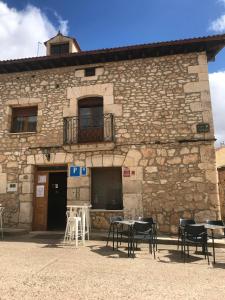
(126,172)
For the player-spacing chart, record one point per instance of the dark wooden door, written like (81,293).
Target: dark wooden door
(57,200)
(106,188)
(40,201)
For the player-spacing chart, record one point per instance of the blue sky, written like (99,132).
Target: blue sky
(104,24)
(101,23)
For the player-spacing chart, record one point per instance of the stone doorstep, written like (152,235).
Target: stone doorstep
(47,232)
(14,232)
(162,239)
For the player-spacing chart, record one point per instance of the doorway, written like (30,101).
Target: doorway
(50,198)
(57,201)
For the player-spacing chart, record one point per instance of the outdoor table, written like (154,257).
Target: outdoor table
(129,224)
(212,228)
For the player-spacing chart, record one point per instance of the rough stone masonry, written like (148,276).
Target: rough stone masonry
(157,103)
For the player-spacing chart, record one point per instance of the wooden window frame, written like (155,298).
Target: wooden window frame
(59,46)
(25,113)
(108,203)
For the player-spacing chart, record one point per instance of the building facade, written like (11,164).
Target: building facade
(128,130)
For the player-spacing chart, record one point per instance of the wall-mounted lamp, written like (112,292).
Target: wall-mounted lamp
(47,153)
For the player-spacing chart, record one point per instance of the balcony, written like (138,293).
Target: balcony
(89,129)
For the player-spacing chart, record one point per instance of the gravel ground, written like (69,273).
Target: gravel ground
(47,269)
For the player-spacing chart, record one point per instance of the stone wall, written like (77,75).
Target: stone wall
(101,219)
(220,157)
(157,103)
(221,173)
(220,163)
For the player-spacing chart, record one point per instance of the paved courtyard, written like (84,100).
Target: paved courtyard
(37,268)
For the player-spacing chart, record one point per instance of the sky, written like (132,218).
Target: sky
(96,24)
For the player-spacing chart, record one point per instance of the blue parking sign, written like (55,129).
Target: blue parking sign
(74,171)
(83,171)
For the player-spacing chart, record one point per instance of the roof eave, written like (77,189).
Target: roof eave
(211,45)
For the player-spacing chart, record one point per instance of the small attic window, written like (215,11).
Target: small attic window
(89,72)
(58,49)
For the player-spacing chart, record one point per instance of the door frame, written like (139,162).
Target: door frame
(46,169)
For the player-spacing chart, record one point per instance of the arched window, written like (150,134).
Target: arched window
(90,120)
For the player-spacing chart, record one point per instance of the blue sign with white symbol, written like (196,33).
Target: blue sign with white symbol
(74,171)
(83,171)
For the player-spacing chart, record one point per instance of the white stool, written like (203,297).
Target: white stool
(83,212)
(73,229)
(85,221)
(1,219)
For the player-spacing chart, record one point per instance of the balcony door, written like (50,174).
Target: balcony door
(90,124)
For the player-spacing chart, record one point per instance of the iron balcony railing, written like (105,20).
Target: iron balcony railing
(89,129)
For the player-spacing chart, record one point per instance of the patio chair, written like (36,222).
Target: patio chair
(143,232)
(195,236)
(182,224)
(219,223)
(154,228)
(119,229)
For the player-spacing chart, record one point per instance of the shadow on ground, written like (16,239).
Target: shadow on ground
(174,256)
(50,240)
(166,254)
(108,251)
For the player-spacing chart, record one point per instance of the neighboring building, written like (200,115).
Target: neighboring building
(220,164)
(138,120)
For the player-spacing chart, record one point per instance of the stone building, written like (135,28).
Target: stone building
(126,129)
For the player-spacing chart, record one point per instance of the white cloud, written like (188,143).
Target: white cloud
(63,24)
(217,87)
(218,25)
(21,30)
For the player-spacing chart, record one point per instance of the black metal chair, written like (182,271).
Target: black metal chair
(195,236)
(151,222)
(183,223)
(219,223)
(119,229)
(143,232)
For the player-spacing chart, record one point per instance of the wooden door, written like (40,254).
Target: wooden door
(41,201)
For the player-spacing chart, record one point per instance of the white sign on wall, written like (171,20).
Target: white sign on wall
(42,178)
(12,187)
(40,191)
